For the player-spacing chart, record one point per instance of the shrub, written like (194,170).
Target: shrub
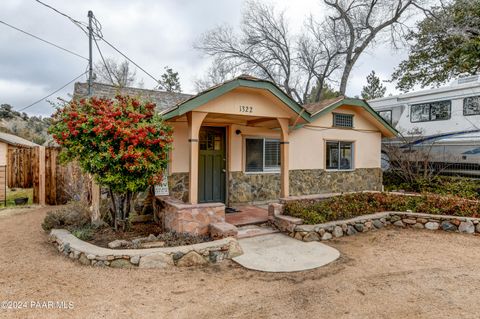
(441,185)
(84,233)
(352,205)
(71,216)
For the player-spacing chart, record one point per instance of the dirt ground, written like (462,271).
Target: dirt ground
(385,274)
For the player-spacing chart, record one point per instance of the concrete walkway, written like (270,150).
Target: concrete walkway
(280,253)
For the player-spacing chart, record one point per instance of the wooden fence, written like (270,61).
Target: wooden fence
(19,167)
(57,183)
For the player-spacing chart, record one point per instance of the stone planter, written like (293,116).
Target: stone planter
(183,256)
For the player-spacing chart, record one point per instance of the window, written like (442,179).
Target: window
(434,111)
(342,120)
(471,105)
(386,115)
(339,155)
(262,155)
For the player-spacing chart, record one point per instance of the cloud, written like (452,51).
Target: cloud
(153,33)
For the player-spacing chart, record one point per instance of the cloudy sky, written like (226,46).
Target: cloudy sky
(153,33)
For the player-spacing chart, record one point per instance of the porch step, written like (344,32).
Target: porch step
(254,230)
(247,215)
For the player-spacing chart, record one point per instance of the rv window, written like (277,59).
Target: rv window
(386,115)
(262,155)
(434,111)
(339,155)
(471,105)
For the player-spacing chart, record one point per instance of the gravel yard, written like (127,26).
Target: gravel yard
(392,273)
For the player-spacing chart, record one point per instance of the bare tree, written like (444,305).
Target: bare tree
(358,23)
(219,72)
(112,72)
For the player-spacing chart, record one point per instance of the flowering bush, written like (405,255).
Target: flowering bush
(123,143)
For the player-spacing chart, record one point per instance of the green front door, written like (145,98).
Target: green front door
(211,165)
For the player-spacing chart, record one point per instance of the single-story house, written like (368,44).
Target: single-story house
(247,141)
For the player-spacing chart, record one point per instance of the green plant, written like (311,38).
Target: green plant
(84,233)
(352,205)
(71,216)
(123,143)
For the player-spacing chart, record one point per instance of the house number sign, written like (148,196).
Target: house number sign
(246,109)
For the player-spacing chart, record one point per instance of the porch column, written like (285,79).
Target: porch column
(195,120)
(284,152)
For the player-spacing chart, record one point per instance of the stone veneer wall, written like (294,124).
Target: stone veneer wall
(244,188)
(177,216)
(182,256)
(292,226)
(178,185)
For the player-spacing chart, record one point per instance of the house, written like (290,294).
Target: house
(247,141)
(445,121)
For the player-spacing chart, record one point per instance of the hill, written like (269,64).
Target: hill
(32,128)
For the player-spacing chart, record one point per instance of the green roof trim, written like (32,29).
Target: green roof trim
(355,102)
(215,92)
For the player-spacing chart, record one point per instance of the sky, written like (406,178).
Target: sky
(153,33)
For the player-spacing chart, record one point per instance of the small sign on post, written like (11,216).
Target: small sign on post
(162,189)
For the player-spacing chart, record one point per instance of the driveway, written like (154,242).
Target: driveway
(385,274)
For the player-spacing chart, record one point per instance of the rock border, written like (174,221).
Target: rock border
(320,232)
(182,256)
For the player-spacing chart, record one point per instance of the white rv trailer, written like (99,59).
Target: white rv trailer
(446,120)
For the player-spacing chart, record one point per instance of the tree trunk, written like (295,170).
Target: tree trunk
(346,74)
(120,209)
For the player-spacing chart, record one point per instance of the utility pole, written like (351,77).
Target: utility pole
(90,66)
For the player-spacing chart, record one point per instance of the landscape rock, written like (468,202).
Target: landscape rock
(410,221)
(378,224)
(311,237)
(359,227)
(120,263)
(84,260)
(326,236)
(135,260)
(91,256)
(466,227)
(337,231)
(447,226)
(234,249)
(351,231)
(395,218)
(191,258)
(418,226)
(118,243)
(156,260)
(399,223)
(432,225)
(478,228)
(152,244)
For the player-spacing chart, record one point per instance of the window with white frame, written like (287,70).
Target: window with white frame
(471,105)
(339,155)
(262,155)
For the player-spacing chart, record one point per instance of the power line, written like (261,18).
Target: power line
(78,23)
(104,62)
(46,97)
(100,36)
(43,40)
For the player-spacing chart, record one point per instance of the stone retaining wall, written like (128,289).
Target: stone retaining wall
(365,223)
(182,256)
(259,187)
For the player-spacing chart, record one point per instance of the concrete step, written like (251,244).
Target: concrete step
(254,230)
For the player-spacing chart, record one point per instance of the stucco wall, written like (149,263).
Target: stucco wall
(307,144)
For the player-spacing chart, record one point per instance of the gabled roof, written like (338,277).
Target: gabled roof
(220,89)
(162,99)
(16,140)
(308,112)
